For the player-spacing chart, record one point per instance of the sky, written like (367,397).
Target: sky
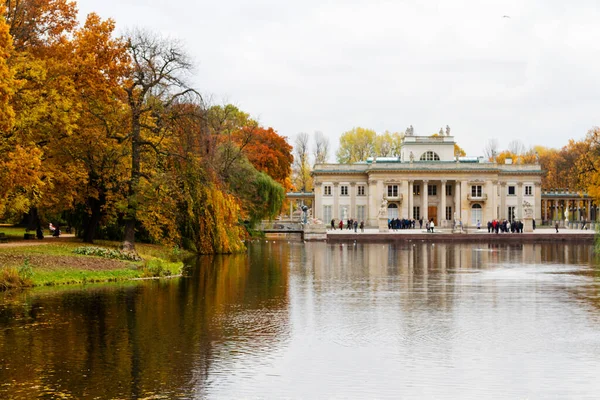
(331,65)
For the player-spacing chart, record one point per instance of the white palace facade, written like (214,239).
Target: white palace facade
(427,181)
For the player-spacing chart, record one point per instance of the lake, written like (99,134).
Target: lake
(315,320)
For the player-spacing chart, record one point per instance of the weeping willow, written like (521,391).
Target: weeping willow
(270,197)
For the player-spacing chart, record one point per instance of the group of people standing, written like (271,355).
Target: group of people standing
(350,224)
(505,226)
(396,223)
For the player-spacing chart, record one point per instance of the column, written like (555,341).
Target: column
(318,202)
(457,200)
(373,206)
(352,212)
(494,199)
(465,211)
(588,208)
(336,201)
(488,211)
(411,200)
(545,209)
(537,202)
(442,223)
(519,201)
(424,201)
(404,210)
(503,209)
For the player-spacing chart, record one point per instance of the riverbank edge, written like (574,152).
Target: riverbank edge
(461,238)
(23,275)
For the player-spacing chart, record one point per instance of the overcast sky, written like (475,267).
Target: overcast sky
(331,65)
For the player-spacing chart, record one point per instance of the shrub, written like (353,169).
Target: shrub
(156,268)
(113,254)
(12,277)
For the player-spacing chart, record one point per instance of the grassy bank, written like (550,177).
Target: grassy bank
(65,260)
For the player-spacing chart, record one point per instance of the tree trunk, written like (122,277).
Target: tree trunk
(129,240)
(32,219)
(89,230)
(130,216)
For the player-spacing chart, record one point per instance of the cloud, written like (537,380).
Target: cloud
(332,65)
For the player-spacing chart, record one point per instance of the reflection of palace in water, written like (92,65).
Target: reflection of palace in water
(419,258)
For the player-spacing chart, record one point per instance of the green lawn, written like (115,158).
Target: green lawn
(52,261)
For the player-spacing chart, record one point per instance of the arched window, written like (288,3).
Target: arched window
(392,211)
(476,214)
(430,156)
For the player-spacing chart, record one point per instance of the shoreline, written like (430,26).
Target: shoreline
(52,262)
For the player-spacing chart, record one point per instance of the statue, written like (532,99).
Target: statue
(412,157)
(441,132)
(527,209)
(304,214)
(383,208)
(447,130)
(412,130)
(344,214)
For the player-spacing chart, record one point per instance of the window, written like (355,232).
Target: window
(327,214)
(448,190)
(511,213)
(430,156)
(476,214)
(392,211)
(344,211)
(528,190)
(417,189)
(432,190)
(449,216)
(511,191)
(360,190)
(344,190)
(392,190)
(476,191)
(360,213)
(327,191)
(416,212)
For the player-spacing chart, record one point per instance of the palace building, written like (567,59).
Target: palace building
(427,181)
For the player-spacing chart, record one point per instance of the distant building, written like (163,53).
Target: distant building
(427,181)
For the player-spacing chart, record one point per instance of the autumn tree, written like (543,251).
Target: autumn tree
(356,145)
(39,25)
(44,101)
(388,144)
(156,83)
(270,153)
(101,65)
(459,151)
(231,130)
(302,179)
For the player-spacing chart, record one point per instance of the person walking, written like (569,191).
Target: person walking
(431,225)
(355,225)
(333,224)
(556,226)
(362,226)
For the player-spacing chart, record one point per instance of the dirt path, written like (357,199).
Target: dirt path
(35,242)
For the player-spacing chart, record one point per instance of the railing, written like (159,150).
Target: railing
(483,197)
(393,198)
(282,226)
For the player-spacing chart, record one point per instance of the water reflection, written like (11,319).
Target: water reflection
(414,320)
